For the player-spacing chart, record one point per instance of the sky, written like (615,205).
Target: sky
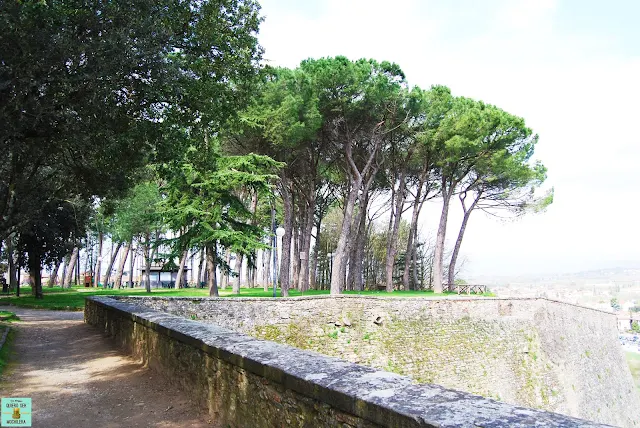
(571,68)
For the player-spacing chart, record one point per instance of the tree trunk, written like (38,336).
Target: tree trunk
(341,255)
(314,261)
(438,268)
(392,236)
(103,279)
(251,272)
(76,271)
(114,256)
(252,260)
(250,264)
(409,251)
(65,266)
(199,279)
(96,274)
(18,280)
(147,260)
(179,278)
(5,286)
(72,264)
(121,265)
(354,281)
(225,275)
(352,263)
(413,233)
(211,270)
(414,256)
(463,226)
(88,261)
(356,185)
(36,275)
(53,276)
(313,274)
(285,263)
(191,268)
(296,253)
(132,263)
(266,269)
(358,254)
(13,279)
(238,267)
(305,239)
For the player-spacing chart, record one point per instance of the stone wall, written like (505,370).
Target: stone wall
(247,382)
(532,352)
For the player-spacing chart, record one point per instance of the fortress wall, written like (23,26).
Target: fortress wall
(532,352)
(242,381)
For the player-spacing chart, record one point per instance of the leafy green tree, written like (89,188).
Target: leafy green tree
(475,139)
(83,86)
(201,195)
(48,238)
(138,218)
(409,165)
(283,122)
(503,179)
(615,304)
(358,101)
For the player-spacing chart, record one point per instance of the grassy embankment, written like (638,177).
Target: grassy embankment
(57,298)
(5,318)
(633,359)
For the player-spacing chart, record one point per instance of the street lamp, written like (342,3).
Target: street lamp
(279,234)
(330,265)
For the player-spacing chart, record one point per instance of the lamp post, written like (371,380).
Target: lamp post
(279,233)
(330,266)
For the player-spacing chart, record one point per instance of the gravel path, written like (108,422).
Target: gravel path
(77,378)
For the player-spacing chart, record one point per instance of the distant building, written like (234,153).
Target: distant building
(625,320)
(160,275)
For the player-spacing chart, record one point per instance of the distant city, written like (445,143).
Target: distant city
(614,290)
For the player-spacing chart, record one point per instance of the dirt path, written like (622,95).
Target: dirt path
(77,378)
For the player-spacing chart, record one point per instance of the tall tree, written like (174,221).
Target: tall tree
(137,218)
(506,183)
(202,191)
(123,260)
(47,239)
(358,101)
(461,141)
(72,266)
(283,122)
(73,73)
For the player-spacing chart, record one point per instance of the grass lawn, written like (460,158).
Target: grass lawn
(6,348)
(8,316)
(57,298)
(633,359)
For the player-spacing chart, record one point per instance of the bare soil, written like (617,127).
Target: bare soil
(78,378)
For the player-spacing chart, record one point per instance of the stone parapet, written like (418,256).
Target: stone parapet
(243,381)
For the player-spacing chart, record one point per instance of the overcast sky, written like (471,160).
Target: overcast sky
(570,68)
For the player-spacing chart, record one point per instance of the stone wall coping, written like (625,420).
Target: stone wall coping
(380,397)
(364,297)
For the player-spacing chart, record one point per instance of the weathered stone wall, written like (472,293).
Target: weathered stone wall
(247,382)
(532,352)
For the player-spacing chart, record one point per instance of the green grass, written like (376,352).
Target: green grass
(6,349)
(57,298)
(633,359)
(7,316)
